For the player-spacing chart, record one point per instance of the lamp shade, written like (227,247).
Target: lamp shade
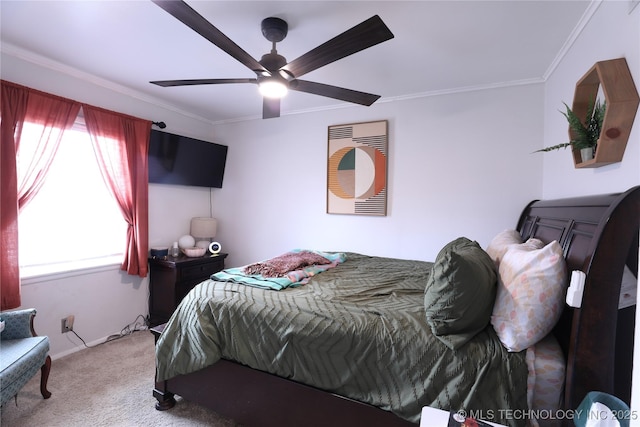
(203,228)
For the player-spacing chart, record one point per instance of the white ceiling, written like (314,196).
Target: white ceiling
(439,46)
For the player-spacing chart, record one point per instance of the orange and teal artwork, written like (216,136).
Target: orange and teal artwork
(357,169)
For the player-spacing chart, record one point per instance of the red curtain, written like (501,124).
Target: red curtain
(18,186)
(14,108)
(121,143)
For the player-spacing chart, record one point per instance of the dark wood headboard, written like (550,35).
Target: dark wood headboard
(599,236)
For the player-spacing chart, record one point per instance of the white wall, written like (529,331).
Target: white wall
(611,33)
(459,164)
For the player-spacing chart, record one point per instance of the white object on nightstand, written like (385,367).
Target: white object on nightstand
(186,241)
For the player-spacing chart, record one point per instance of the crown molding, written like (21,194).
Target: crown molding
(577,30)
(50,64)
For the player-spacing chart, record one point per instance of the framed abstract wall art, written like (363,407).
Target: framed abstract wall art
(357,169)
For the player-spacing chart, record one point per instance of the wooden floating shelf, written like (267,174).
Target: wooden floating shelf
(622,100)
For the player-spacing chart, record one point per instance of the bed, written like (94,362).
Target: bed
(597,235)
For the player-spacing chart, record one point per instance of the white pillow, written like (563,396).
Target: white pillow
(531,289)
(499,245)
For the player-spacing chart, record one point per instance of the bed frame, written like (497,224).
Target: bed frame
(599,236)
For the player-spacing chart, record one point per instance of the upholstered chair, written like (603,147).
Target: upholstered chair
(22,354)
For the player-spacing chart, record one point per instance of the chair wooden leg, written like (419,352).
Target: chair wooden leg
(45,377)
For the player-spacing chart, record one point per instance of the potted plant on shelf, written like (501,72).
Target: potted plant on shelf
(584,135)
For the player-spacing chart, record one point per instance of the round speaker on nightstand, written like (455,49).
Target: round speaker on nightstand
(215,248)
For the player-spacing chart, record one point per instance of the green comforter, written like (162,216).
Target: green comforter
(357,330)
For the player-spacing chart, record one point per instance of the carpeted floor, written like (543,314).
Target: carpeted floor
(108,385)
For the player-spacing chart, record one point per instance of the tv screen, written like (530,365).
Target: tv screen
(180,160)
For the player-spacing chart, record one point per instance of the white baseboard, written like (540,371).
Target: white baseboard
(82,347)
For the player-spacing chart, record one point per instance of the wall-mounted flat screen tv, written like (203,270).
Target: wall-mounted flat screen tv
(180,160)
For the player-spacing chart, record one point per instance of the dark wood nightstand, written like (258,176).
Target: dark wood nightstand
(172,278)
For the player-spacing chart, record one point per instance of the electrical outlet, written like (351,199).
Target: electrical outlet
(67,324)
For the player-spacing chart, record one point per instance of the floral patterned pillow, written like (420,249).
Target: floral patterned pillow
(545,382)
(532,284)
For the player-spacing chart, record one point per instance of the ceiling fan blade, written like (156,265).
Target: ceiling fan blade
(270,108)
(192,19)
(335,92)
(191,82)
(364,35)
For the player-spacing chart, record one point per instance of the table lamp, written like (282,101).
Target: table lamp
(203,230)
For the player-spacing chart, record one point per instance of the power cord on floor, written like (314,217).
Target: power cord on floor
(132,327)
(83,342)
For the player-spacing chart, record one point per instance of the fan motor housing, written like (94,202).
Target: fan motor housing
(272,61)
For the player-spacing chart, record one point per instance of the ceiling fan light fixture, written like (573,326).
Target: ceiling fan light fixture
(273,88)
(274,75)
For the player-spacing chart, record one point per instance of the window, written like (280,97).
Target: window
(73,222)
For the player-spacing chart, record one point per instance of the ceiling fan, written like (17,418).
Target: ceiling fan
(274,75)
